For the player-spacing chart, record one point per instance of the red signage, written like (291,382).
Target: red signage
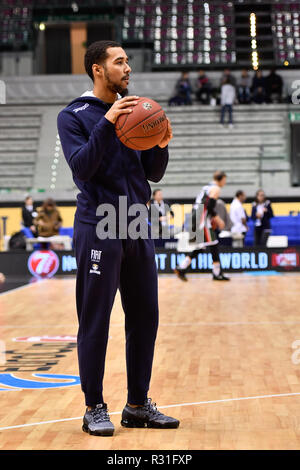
(43,263)
(288,259)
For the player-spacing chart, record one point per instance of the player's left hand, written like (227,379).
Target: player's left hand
(167,137)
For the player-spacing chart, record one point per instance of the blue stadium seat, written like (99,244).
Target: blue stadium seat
(66,231)
(62,231)
(283,225)
(27,232)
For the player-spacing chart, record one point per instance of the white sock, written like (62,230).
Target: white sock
(185,263)
(216,269)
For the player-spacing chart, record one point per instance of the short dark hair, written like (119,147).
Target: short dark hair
(239,193)
(155,191)
(96,53)
(219,175)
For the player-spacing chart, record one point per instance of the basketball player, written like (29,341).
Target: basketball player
(210,221)
(104,169)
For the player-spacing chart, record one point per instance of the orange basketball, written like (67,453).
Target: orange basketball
(145,127)
(214,224)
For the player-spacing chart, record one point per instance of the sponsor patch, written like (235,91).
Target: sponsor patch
(147,106)
(86,105)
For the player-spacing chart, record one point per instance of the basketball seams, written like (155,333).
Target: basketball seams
(123,135)
(125,120)
(139,137)
(155,121)
(126,117)
(139,123)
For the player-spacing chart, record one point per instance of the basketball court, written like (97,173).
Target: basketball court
(121,118)
(226,364)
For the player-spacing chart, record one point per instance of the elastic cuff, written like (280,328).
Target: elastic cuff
(136,398)
(93,400)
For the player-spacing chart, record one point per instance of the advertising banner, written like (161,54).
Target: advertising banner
(47,263)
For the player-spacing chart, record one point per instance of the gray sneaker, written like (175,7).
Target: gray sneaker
(147,416)
(96,421)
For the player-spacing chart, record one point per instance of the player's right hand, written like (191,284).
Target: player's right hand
(219,222)
(122,106)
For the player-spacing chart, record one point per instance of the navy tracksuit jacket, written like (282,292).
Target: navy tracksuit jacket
(104,169)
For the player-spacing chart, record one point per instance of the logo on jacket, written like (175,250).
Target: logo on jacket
(95,256)
(147,106)
(43,263)
(86,105)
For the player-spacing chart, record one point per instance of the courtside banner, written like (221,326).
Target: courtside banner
(47,263)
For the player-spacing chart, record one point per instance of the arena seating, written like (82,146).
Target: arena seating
(16,24)
(19,138)
(286,32)
(182,32)
(289,226)
(255,153)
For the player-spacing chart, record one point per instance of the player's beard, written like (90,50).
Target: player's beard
(114,87)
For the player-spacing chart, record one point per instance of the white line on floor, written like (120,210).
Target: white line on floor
(224,400)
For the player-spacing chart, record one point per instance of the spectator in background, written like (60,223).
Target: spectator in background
(227,77)
(183,91)
(238,215)
(2,278)
(258,88)
(274,86)
(261,214)
(223,214)
(28,214)
(162,208)
(203,88)
(48,220)
(227,101)
(244,85)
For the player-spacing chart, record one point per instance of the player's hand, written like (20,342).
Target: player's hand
(219,222)
(122,106)
(168,135)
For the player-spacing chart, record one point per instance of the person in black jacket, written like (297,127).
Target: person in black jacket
(261,214)
(28,214)
(274,85)
(107,256)
(258,88)
(183,90)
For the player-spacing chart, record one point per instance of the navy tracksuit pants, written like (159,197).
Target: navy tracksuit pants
(130,266)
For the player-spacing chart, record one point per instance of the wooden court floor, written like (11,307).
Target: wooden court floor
(227,364)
